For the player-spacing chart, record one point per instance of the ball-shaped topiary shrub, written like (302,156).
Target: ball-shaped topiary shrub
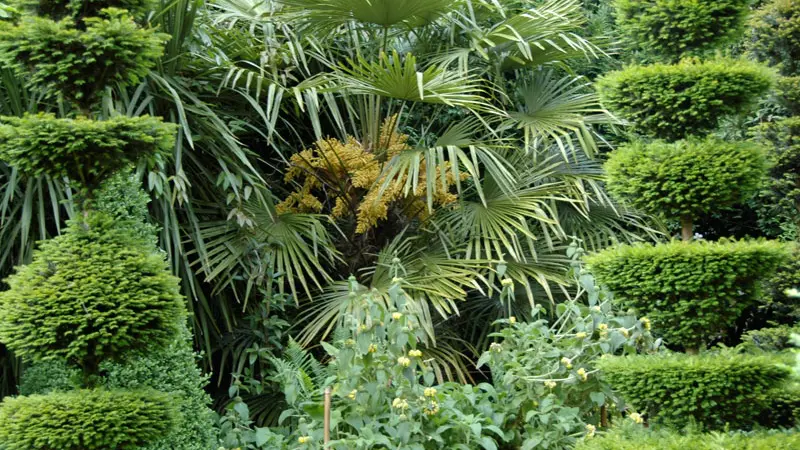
(86,420)
(671,29)
(692,292)
(60,58)
(711,390)
(687,178)
(94,293)
(689,98)
(775,35)
(86,151)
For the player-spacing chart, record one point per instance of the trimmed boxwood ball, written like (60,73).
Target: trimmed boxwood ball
(775,35)
(86,151)
(689,98)
(711,390)
(78,64)
(692,292)
(94,293)
(686,178)
(675,28)
(86,420)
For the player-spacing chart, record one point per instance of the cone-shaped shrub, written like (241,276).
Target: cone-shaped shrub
(85,420)
(711,390)
(692,292)
(686,178)
(92,294)
(670,29)
(689,98)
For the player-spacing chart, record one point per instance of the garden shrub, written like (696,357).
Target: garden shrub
(713,391)
(87,151)
(783,407)
(775,35)
(691,291)
(636,437)
(79,64)
(689,98)
(788,94)
(672,29)
(85,420)
(79,9)
(773,339)
(687,178)
(125,300)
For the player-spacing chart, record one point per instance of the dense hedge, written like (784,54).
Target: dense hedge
(84,150)
(775,35)
(639,438)
(173,370)
(91,294)
(78,9)
(691,291)
(85,420)
(772,339)
(783,407)
(675,28)
(710,390)
(60,58)
(689,98)
(686,178)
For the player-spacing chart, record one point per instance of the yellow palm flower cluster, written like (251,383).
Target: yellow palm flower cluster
(349,174)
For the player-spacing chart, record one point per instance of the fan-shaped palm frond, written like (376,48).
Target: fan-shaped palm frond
(328,14)
(262,244)
(558,110)
(544,34)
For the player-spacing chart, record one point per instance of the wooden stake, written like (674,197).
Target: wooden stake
(327,419)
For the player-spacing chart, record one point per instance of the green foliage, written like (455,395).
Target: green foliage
(79,9)
(783,407)
(775,35)
(79,64)
(632,437)
(91,294)
(712,390)
(687,178)
(774,339)
(672,29)
(692,291)
(84,150)
(86,420)
(545,391)
(788,94)
(689,98)
(172,370)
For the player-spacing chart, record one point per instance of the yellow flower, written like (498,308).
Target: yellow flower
(372,348)
(597,308)
(636,417)
(582,373)
(646,322)
(304,439)
(415,353)
(430,392)
(550,384)
(590,430)
(397,316)
(495,347)
(512,320)
(399,403)
(363,328)
(403,361)
(431,409)
(581,335)
(602,327)
(566,362)
(352,394)
(624,332)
